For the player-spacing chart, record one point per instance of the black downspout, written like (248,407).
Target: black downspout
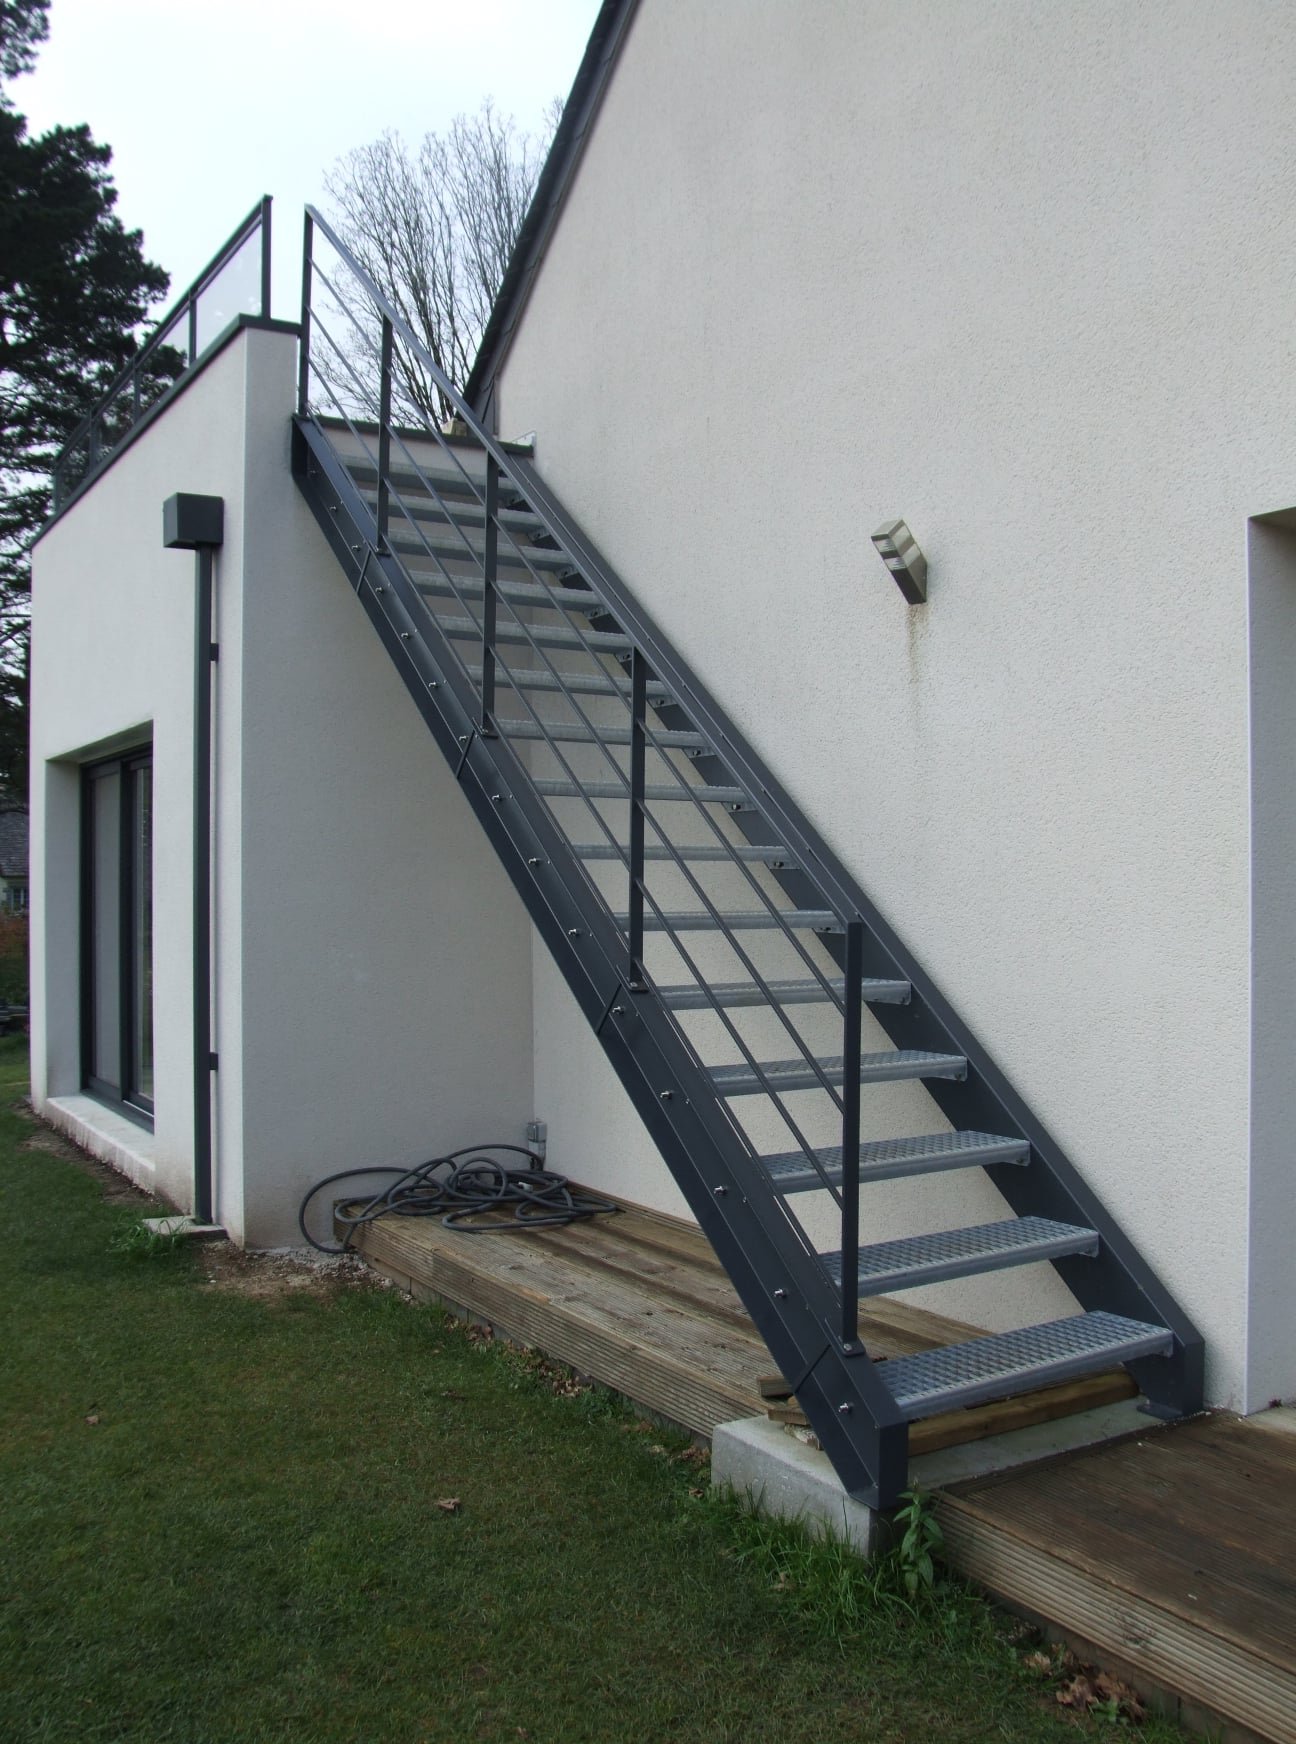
(197,524)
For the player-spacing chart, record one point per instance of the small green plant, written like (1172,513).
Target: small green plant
(921,1542)
(139,1238)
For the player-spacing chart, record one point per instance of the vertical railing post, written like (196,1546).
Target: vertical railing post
(192,336)
(850,1148)
(638,755)
(303,356)
(384,432)
(265,257)
(490,591)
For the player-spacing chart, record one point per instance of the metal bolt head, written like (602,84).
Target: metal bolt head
(780,1295)
(666,1095)
(844,1410)
(573,932)
(720,1192)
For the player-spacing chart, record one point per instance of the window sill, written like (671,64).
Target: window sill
(106,1134)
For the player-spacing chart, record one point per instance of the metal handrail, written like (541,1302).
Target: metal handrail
(128,385)
(641,736)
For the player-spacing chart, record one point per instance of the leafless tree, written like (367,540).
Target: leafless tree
(435,229)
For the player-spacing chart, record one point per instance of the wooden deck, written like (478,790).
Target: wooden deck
(1169,1557)
(640,1303)
(1172,1553)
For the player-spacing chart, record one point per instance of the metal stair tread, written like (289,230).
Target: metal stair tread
(581,733)
(578,683)
(958,1253)
(528,593)
(692,997)
(540,635)
(891,1158)
(742,1080)
(741,920)
(554,789)
(955,1375)
(446,548)
(722,851)
(465,509)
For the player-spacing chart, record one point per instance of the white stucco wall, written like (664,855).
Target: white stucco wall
(371,964)
(1023,275)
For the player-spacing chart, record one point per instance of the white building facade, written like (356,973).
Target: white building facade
(1020,275)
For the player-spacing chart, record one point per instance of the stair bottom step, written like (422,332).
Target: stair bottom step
(1009,1363)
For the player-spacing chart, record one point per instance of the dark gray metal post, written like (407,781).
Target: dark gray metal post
(197,524)
(490,595)
(853,991)
(265,257)
(303,356)
(638,750)
(384,433)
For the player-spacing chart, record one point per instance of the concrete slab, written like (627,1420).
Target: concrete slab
(758,1462)
(186,1227)
(781,1476)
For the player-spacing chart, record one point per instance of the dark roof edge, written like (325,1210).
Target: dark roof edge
(556,178)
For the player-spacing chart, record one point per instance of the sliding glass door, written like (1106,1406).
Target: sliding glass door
(117,932)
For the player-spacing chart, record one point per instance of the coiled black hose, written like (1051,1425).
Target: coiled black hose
(467,1185)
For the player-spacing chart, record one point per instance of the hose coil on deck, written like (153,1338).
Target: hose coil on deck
(474,1192)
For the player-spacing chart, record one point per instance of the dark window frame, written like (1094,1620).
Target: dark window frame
(125,1098)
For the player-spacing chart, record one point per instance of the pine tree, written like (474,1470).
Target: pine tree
(74,285)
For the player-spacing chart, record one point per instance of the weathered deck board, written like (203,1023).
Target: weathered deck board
(1174,1551)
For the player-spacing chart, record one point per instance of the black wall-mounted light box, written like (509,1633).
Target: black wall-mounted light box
(189,522)
(899,550)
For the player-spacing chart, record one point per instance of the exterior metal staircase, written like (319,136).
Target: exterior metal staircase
(743,987)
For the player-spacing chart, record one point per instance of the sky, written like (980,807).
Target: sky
(207,107)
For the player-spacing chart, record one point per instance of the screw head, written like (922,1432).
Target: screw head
(844,1410)
(618,1011)
(780,1295)
(720,1192)
(666,1095)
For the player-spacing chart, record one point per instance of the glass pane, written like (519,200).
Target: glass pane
(236,290)
(105,928)
(142,931)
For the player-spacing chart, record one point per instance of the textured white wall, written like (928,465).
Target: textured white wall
(1022,275)
(371,964)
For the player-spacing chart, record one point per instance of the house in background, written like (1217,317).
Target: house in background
(13,859)
(945,947)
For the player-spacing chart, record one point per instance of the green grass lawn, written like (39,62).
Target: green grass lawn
(221,1525)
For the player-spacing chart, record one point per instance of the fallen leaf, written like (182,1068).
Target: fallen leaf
(93,1418)
(449,1393)
(693,1456)
(449,1504)
(1079,1693)
(657,1448)
(1038,1662)
(697,1495)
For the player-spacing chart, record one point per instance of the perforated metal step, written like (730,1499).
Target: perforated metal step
(571,732)
(798,1075)
(541,636)
(890,1158)
(771,856)
(739,993)
(521,593)
(463,511)
(578,683)
(733,797)
(819,920)
(959,1253)
(446,546)
(1016,1362)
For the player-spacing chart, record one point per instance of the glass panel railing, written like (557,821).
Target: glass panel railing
(235,282)
(234,290)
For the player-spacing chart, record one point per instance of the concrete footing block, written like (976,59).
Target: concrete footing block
(759,1462)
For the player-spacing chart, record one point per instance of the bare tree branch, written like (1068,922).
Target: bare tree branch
(435,231)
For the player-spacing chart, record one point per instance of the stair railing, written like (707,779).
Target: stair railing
(355,381)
